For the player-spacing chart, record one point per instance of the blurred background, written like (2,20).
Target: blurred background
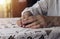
(13,8)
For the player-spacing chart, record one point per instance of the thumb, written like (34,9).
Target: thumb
(26,14)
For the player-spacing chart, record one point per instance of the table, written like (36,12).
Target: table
(10,30)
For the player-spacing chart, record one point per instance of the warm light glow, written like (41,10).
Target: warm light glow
(8,1)
(5,7)
(2,2)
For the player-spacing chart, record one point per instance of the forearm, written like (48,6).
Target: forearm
(52,20)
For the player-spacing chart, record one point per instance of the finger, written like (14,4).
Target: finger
(30,25)
(29,20)
(19,22)
(35,26)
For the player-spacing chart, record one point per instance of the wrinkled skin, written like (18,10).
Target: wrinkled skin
(29,21)
(39,21)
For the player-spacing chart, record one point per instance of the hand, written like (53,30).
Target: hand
(24,16)
(34,22)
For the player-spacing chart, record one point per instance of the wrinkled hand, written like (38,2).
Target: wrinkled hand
(33,22)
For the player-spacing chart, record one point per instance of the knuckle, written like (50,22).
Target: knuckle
(23,20)
(27,13)
(34,23)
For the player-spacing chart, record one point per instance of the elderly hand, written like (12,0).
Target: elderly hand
(34,22)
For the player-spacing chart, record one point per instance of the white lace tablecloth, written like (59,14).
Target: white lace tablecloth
(10,30)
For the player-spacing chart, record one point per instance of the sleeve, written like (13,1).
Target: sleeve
(38,8)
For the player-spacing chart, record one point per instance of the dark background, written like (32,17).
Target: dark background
(31,2)
(18,7)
